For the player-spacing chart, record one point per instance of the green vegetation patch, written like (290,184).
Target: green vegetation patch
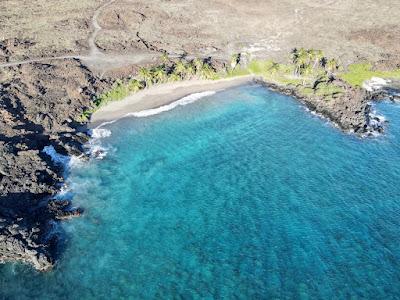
(328,90)
(306,91)
(118,92)
(234,73)
(309,71)
(271,71)
(358,73)
(168,71)
(259,67)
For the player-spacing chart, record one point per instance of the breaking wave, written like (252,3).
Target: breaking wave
(181,102)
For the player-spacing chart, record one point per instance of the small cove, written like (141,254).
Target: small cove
(243,194)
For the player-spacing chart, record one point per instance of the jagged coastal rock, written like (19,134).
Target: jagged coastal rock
(350,111)
(30,235)
(38,106)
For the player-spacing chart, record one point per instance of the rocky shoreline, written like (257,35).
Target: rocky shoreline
(40,103)
(350,112)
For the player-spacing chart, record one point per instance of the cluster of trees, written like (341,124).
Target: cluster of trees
(170,71)
(307,61)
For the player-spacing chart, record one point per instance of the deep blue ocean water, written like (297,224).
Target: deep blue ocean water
(241,195)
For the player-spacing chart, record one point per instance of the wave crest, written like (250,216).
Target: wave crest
(98,151)
(181,102)
(99,133)
(55,156)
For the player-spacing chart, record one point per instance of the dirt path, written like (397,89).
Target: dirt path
(43,59)
(96,59)
(94,50)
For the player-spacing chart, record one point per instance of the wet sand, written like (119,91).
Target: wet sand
(160,95)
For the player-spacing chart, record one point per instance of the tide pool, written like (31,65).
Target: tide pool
(240,195)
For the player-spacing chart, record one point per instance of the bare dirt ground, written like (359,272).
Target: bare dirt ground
(349,29)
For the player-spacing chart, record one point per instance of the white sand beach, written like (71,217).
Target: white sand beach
(160,95)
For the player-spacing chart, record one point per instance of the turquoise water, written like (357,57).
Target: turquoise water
(241,195)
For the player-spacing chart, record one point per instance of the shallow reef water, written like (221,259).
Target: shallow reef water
(240,195)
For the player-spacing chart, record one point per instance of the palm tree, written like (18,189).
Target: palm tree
(146,76)
(295,60)
(302,61)
(135,85)
(307,70)
(235,59)
(274,68)
(198,64)
(323,62)
(165,58)
(294,54)
(159,74)
(174,77)
(332,65)
(190,70)
(207,72)
(180,69)
(318,55)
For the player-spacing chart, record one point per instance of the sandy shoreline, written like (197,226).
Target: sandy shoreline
(160,95)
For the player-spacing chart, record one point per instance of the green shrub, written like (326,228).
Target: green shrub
(328,90)
(306,91)
(357,73)
(168,71)
(234,73)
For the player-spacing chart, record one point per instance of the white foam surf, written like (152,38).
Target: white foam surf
(95,148)
(99,133)
(375,83)
(55,156)
(64,160)
(181,102)
(67,162)
(98,151)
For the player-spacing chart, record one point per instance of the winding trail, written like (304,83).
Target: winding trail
(34,60)
(94,50)
(95,59)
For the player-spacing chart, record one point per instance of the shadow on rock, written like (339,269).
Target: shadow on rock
(32,234)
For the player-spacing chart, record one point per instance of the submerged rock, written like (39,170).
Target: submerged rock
(61,210)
